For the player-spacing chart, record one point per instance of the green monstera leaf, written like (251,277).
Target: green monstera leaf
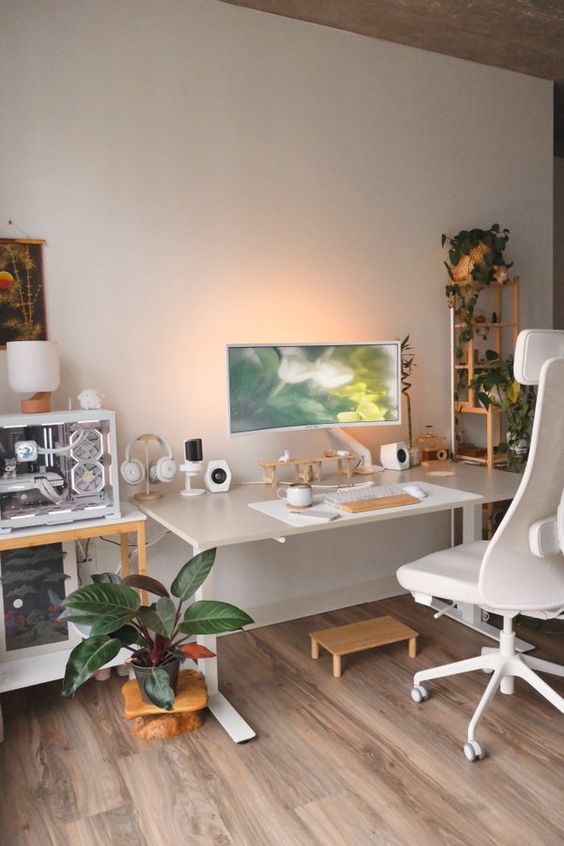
(212,617)
(193,574)
(87,658)
(104,606)
(158,689)
(138,580)
(110,578)
(160,617)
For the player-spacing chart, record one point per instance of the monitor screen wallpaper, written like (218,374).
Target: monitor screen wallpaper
(309,386)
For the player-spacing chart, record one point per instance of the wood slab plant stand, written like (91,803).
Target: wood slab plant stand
(152,723)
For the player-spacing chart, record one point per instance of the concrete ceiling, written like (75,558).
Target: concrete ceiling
(520,35)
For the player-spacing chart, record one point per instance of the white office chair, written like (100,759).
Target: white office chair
(521,570)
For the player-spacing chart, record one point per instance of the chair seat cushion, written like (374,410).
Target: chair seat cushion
(451,573)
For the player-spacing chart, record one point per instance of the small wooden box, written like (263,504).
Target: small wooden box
(355,637)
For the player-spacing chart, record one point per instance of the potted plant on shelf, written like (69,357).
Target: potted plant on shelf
(497,386)
(157,635)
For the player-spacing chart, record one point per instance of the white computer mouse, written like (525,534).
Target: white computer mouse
(415,490)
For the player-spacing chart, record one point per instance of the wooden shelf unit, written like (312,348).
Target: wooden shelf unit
(21,670)
(501,334)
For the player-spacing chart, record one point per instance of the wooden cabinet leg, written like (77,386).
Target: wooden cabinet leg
(314,649)
(142,556)
(124,549)
(412,647)
(337,666)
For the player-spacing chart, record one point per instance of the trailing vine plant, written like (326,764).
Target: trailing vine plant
(474,257)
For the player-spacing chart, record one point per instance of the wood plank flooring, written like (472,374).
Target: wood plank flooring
(336,762)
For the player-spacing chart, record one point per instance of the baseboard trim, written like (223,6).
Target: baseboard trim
(330,600)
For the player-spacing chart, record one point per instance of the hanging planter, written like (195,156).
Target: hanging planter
(475,259)
(474,255)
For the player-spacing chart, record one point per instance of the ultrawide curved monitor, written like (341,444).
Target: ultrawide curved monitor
(307,386)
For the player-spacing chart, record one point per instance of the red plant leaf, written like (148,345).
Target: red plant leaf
(195,651)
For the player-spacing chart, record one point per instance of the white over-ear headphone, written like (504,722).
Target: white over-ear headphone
(162,470)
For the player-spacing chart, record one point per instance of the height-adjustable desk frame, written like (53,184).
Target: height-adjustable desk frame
(218,520)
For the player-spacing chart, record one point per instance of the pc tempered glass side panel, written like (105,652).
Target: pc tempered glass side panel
(34,583)
(69,471)
(313,385)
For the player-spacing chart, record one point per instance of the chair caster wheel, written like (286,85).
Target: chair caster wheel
(419,693)
(473,750)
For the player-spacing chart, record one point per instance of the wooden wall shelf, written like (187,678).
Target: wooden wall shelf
(307,469)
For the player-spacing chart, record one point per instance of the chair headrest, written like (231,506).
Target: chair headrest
(533,348)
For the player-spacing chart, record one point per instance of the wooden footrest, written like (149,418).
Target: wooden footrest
(355,637)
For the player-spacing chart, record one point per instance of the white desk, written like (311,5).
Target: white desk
(224,519)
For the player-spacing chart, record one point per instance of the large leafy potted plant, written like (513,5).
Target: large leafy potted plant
(156,634)
(497,386)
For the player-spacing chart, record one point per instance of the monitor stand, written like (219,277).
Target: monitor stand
(342,440)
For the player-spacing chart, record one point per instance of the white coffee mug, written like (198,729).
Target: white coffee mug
(297,495)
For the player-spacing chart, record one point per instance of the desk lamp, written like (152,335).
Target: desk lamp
(33,366)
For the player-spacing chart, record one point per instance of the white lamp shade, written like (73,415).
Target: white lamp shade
(33,366)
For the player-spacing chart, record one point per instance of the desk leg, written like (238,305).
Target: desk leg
(471,523)
(233,723)
(465,613)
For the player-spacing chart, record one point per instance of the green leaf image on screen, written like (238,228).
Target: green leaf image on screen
(285,387)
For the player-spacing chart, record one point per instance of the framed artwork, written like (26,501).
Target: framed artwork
(34,582)
(22,294)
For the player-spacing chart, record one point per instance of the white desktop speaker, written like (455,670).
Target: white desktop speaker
(394,456)
(218,476)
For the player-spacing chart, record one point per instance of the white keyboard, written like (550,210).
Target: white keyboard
(344,495)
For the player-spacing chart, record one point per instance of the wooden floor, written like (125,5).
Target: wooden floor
(337,762)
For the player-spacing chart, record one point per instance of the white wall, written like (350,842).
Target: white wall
(205,174)
(559,243)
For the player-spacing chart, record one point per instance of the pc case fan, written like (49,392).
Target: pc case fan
(87,477)
(86,444)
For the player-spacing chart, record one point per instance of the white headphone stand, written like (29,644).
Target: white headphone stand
(191,469)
